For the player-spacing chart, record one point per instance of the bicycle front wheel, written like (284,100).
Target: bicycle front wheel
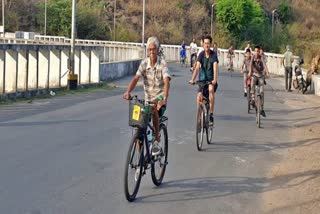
(200,127)
(209,132)
(258,111)
(158,167)
(249,99)
(133,168)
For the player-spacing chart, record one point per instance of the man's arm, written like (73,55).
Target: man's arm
(215,73)
(241,68)
(250,67)
(131,86)
(166,88)
(266,69)
(284,55)
(195,72)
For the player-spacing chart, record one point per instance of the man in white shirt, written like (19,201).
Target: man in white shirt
(193,52)
(248,47)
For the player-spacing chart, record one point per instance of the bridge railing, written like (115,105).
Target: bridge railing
(110,51)
(13,61)
(35,67)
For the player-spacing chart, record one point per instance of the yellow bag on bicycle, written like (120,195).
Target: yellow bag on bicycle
(138,114)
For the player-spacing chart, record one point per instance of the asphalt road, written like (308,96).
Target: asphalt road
(66,154)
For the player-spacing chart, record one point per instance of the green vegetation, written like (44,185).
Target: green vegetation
(234,22)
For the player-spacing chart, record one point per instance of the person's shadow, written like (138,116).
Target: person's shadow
(214,187)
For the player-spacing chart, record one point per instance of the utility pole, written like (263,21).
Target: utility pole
(143,23)
(114,20)
(143,19)
(212,11)
(272,27)
(72,77)
(45,17)
(3,17)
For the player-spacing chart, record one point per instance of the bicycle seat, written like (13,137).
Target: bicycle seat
(163,119)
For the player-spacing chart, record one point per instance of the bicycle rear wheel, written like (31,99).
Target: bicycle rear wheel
(158,167)
(133,168)
(200,127)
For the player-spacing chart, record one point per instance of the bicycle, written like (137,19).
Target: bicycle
(230,68)
(139,157)
(248,86)
(203,123)
(258,100)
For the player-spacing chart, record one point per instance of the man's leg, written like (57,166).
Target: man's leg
(261,84)
(286,77)
(211,101)
(155,117)
(253,87)
(211,98)
(156,149)
(245,76)
(290,78)
(199,99)
(191,65)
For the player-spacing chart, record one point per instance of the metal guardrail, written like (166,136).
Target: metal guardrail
(113,51)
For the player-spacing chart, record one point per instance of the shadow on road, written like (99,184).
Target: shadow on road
(256,146)
(213,187)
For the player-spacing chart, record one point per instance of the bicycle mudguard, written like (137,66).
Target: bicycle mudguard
(163,119)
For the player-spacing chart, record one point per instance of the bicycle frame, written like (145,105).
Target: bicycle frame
(147,160)
(258,98)
(205,101)
(139,141)
(257,86)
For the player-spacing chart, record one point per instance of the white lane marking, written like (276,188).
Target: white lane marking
(240,160)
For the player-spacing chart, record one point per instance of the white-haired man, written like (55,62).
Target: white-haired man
(287,61)
(156,79)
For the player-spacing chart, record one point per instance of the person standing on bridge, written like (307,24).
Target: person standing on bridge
(287,61)
(193,53)
(156,79)
(245,69)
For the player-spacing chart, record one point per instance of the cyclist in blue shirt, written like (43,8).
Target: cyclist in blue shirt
(183,52)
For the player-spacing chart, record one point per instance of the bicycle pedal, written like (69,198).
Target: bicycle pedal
(163,164)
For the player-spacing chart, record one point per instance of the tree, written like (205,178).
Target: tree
(241,18)
(58,17)
(285,12)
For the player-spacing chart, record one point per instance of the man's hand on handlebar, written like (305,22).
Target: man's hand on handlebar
(191,82)
(127,95)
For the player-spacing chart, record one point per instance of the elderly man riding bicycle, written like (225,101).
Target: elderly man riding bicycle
(156,79)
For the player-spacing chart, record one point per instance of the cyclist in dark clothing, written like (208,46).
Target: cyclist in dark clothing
(257,69)
(207,64)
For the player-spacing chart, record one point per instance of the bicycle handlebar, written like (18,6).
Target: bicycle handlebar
(142,101)
(263,75)
(201,82)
